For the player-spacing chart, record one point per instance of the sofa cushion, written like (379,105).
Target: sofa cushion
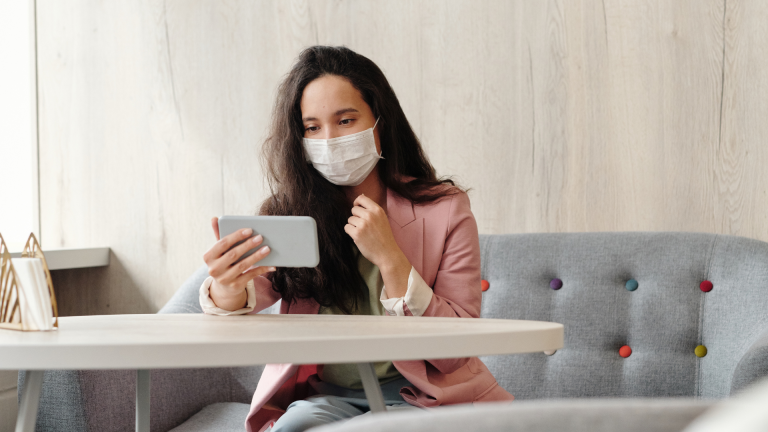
(219,417)
(662,320)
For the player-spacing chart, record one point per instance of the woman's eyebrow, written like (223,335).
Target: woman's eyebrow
(337,113)
(345,110)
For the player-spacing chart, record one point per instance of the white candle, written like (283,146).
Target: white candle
(34,297)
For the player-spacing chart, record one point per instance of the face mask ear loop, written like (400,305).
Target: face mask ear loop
(374,127)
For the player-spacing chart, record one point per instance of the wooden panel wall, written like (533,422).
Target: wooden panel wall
(560,115)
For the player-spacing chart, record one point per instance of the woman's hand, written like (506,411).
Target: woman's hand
(228,289)
(369,228)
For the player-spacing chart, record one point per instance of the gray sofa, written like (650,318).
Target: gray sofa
(663,319)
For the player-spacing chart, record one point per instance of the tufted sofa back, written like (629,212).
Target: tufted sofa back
(663,320)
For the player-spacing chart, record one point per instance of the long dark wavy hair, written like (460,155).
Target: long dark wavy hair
(297,189)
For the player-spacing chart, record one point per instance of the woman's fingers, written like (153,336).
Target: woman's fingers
(360,212)
(220,247)
(220,266)
(355,221)
(215,225)
(255,257)
(221,257)
(237,269)
(365,202)
(218,263)
(367,208)
(246,246)
(351,230)
(253,273)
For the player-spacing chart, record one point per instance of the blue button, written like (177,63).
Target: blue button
(631,285)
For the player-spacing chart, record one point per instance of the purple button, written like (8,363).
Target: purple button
(555,284)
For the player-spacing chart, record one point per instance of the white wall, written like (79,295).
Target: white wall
(560,115)
(18,146)
(18,151)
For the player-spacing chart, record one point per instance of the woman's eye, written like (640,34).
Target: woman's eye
(346,121)
(311,129)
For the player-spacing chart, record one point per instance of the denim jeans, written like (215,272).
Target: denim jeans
(334,403)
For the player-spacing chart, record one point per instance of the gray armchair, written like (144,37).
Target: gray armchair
(662,316)
(577,415)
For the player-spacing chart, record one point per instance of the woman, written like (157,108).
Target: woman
(393,239)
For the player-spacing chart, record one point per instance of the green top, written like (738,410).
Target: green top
(346,375)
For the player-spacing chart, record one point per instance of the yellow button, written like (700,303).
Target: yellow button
(700,351)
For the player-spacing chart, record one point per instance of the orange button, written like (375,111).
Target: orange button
(625,351)
(484,285)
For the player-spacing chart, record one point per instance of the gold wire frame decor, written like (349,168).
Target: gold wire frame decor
(11,316)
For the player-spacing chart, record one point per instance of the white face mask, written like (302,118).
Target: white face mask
(346,160)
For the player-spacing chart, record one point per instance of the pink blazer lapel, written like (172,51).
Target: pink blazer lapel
(271,381)
(407,229)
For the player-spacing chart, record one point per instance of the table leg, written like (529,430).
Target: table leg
(30,400)
(371,387)
(142,400)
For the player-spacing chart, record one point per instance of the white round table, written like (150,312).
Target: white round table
(146,342)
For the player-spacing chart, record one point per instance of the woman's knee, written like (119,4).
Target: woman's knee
(304,414)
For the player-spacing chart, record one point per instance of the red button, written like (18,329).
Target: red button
(485,285)
(706,286)
(625,351)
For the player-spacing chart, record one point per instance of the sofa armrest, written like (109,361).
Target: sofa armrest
(575,415)
(185,299)
(752,366)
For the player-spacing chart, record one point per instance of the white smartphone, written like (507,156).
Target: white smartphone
(292,240)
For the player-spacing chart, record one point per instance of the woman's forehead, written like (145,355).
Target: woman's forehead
(329,94)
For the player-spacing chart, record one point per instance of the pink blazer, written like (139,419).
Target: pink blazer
(441,242)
